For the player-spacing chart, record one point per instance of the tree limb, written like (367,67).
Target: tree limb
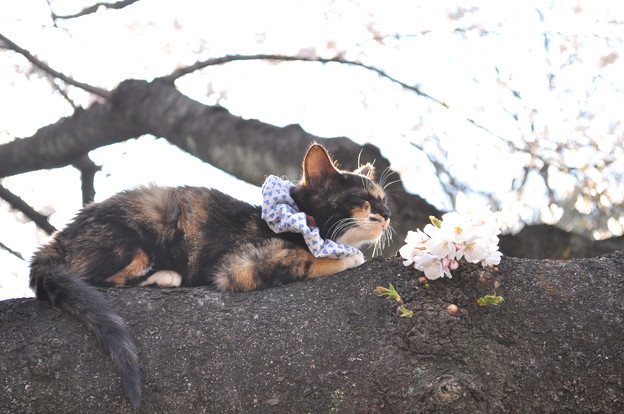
(46,68)
(331,345)
(250,150)
(13,252)
(20,205)
(92,9)
(247,149)
(282,58)
(65,141)
(87,170)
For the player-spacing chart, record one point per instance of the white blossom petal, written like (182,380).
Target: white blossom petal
(440,247)
(432,266)
(476,250)
(493,258)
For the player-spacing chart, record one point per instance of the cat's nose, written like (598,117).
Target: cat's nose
(385,213)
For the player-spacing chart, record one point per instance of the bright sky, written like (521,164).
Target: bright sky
(471,55)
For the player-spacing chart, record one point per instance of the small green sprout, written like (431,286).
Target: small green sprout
(490,300)
(389,292)
(405,313)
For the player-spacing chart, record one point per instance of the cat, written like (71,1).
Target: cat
(192,236)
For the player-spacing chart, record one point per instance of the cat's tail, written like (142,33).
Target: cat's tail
(66,290)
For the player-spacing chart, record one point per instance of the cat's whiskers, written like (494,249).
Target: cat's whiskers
(327,221)
(385,177)
(383,240)
(385,187)
(329,231)
(346,224)
(340,226)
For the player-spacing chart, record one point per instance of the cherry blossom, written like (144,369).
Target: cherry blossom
(470,233)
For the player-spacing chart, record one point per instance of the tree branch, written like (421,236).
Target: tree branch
(46,68)
(331,345)
(281,58)
(18,204)
(450,188)
(92,9)
(210,133)
(65,141)
(64,94)
(13,252)
(247,149)
(87,170)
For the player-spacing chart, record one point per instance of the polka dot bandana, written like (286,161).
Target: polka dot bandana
(282,215)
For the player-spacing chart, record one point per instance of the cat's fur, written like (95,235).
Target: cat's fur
(194,236)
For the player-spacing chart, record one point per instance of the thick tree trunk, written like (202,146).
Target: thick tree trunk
(542,241)
(555,345)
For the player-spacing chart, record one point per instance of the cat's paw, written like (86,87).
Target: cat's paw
(353,261)
(164,278)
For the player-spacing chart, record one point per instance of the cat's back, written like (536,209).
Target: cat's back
(160,212)
(188,208)
(209,210)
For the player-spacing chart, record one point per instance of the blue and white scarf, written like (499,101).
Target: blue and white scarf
(282,215)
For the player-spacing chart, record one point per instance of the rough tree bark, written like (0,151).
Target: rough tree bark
(331,345)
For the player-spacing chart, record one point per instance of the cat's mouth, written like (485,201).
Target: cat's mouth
(365,231)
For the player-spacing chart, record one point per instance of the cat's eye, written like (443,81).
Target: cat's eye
(359,200)
(364,203)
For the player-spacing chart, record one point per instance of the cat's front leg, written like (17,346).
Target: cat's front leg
(274,263)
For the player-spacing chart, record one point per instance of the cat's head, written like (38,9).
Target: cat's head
(348,207)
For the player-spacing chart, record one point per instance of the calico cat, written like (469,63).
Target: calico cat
(190,236)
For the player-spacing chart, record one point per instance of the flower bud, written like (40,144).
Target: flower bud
(452,309)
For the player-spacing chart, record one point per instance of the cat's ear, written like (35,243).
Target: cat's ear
(367,170)
(317,165)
